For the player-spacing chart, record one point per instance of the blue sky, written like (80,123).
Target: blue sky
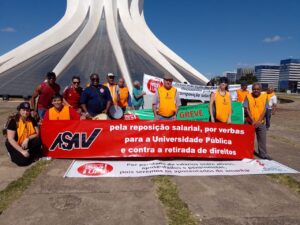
(212,35)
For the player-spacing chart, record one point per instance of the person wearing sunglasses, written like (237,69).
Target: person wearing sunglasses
(44,93)
(113,88)
(72,93)
(166,100)
(96,98)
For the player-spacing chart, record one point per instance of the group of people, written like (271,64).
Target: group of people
(258,105)
(23,142)
(22,129)
(95,99)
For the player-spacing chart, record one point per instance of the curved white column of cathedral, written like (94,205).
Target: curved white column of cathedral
(94,36)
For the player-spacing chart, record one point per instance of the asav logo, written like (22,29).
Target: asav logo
(95,169)
(153,85)
(79,140)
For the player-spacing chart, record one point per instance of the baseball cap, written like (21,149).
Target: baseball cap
(24,105)
(110,75)
(168,77)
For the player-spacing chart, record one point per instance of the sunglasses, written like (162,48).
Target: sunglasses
(95,79)
(169,80)
(76,82)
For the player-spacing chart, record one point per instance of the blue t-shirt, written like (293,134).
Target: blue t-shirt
(137,101)
(95,98)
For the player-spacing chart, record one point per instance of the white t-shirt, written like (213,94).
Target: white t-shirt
(273,100)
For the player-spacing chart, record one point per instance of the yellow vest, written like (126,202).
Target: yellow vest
(270,96)
(113,92)
(167,101)
(241,95)
(24,130)
(257,105)
(123,97)
(223,106)
(64,114)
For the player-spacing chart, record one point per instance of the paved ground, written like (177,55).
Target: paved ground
(249,200)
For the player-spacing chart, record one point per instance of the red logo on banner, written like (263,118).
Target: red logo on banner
(128,116)
(95,169)
(153,85)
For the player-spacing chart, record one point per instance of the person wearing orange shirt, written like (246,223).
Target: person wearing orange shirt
(220,103)
(256,104)
(60,111)
(242,92)
(113,88)
(124,96)
(166,101)
(23,143)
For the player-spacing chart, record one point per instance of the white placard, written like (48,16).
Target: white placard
(85,168)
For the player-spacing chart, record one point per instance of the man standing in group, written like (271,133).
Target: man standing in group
(60,111)
(72,94)
(96,98)
(166,100)
(242,92)
(124,96)
(256,104)
(44,92)
(272,98)
(113,88)
(138,96)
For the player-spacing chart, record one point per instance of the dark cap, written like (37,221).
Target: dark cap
(223,80)
(168,77)
(24,105)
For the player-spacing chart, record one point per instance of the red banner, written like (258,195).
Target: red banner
(154,139)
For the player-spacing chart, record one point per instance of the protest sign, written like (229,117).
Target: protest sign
(85,169)
(119,138)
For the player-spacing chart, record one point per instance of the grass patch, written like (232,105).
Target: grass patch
(16,188)
(286,180)
(177,211)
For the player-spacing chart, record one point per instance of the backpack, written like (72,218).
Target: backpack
(10,117)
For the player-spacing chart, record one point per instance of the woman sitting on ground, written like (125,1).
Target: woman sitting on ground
(23,143)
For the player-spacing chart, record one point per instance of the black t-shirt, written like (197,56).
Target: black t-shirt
(12,125)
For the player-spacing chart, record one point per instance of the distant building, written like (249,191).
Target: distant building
(267,75)
(231,76)
(240,72)
(289,76)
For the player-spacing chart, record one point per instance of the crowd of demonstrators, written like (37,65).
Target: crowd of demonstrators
(113,88)
(271,109)
(59,111)
(220,103)
(242,92)
(138,96)
(72,93)
(166,101)
(23,143)
(44,93)
(256,105)
(96,98)
(124,99)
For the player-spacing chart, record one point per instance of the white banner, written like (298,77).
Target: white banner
(86,168)
(187,91)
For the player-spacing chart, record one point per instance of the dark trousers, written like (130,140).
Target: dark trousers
(268,117)
(34,146)
(261,136)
